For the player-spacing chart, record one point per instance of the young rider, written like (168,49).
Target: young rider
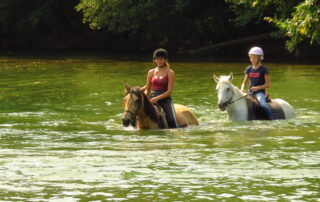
(259,79)
(160,83)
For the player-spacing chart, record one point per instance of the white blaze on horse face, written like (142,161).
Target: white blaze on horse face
(130,105)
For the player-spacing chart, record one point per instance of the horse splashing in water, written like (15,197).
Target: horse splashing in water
(142,114)
(243,107)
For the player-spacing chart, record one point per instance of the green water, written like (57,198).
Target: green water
(61,137)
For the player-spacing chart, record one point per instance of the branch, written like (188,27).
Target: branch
(225,44)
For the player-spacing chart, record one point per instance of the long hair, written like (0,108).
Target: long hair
(166,63)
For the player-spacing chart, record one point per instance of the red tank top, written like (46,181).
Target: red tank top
(159,84)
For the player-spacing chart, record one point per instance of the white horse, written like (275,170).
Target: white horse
(236,102)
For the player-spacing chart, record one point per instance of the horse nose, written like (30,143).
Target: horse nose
(222,106)
(126,122)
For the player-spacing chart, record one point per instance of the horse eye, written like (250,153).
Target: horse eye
(228,89)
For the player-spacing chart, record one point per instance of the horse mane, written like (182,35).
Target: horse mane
(224,79)
(148,106)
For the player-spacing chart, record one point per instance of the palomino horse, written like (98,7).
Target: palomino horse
(239,105)
(142,114)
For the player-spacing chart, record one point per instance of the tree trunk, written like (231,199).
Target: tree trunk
(225,44)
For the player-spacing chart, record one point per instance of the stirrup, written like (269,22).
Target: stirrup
(163,118)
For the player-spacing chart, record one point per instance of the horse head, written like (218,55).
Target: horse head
(132,104)
(224,90)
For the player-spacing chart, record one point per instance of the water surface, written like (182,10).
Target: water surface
(61,137)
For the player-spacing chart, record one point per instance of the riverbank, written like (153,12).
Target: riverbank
(101,56)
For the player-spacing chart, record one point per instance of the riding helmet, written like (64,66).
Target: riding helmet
(256,51)
(160,53)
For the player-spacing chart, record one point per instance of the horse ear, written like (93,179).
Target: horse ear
(216,79)
(231,77)
(127,87)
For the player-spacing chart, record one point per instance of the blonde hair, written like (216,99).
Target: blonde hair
(166,63)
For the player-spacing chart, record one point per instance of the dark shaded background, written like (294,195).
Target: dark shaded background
(55,25)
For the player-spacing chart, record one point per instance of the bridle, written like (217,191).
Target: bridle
(134,114)
(229,102)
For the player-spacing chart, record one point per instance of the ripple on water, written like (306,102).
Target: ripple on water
(67,142)
(217,160)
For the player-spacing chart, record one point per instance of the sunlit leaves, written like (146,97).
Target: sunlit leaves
(165,21)
(303,24)
(297,20)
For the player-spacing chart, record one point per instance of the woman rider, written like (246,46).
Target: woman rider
(160,83)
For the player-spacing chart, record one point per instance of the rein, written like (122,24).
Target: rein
(231,102)
(145,105)
(132,113)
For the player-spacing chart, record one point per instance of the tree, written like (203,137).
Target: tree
(303,24)
(38,24)
(179,23)
(296,20)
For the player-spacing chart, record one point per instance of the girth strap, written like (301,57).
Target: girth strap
(163,118)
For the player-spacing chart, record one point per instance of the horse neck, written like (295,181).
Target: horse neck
(237,110)
(144,120)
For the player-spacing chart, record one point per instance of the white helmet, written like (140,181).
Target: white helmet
(256,51)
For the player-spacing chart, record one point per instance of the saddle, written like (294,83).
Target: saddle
(163,119)
(255,112)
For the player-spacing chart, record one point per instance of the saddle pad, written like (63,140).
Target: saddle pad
(255,112)
(276,110)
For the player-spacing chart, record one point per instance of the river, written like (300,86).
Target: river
(61,136)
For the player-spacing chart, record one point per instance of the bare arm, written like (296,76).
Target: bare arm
(147,87)
(244,83)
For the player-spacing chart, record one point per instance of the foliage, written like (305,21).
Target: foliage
(12,12)
(164,21)
(253,11)
(34,23)
(295,19)
(304,24)
(141,25)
